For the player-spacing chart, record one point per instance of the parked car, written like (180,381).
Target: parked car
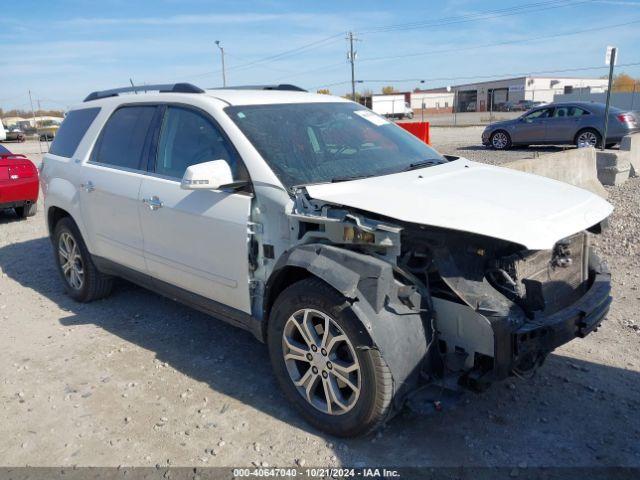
(48,132)
(18,184)
(3,133)
(579,123)
(369,263)
(526,105)
(15,135)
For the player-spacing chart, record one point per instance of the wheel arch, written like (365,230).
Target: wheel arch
(368,283)
(54,215)
(62,200)
(584,129)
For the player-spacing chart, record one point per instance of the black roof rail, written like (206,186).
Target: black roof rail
(163,88)
(282,86)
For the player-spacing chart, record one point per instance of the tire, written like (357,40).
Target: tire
(27,210)
(88,283)
(364,410)
(500,140)
(588,136)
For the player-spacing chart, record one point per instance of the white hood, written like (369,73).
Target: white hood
(527,209)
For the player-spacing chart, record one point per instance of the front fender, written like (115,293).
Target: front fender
(395,329)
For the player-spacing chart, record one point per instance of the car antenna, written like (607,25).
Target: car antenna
(131,82)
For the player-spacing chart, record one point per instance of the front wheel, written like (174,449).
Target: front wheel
(500,140)
(323,362)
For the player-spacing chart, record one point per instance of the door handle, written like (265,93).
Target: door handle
(88,187)
(154,203)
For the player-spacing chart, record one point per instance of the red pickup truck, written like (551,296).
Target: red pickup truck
(18,183)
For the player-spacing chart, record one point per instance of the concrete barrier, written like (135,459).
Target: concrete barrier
(631,144)
(613,166)
(576,167)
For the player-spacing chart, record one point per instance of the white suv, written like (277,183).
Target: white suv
(369,263)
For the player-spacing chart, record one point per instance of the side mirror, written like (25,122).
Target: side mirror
(207,176)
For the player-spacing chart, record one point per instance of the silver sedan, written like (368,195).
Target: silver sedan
(577,123)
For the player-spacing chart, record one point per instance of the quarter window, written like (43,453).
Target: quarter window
(73,128)
(122,141)
(187,138)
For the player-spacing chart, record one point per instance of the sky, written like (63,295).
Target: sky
(62,50)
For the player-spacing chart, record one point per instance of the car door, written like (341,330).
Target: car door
(110,186)
(195,239)
(531,127)
(561,127)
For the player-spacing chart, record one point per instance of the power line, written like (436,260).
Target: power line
(507,42)
(479,77)
(279,56)
(515,10)
(496,75)
(445,21)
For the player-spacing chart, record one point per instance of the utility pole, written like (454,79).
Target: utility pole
(352,59)
(224,76)
(46,135)
(611,58)
(35,123)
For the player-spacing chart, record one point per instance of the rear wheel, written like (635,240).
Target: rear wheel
(500,140)
(27,210)
(588,137)
(82,280)
(323,363)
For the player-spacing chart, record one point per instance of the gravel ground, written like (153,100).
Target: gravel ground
(466,142)
(137,379)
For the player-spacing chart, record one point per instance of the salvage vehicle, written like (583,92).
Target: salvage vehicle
(573,123)
(18,184)
(368,263)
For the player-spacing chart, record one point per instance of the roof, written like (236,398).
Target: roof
(264,97)
(244,95)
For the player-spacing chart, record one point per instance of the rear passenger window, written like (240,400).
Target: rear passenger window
(577,112)
(187,138)
(73,128)
(123,137)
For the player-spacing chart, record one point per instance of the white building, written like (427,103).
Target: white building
(432,101)
(494,94)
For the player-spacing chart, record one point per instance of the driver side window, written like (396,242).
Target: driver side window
(187,138)
(542,113)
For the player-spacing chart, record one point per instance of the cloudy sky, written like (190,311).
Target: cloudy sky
(63,49)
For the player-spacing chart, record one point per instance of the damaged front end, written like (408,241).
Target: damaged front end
(446,304)
(500,308)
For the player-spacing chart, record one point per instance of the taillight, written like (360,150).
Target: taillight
(21,171)
(626,118)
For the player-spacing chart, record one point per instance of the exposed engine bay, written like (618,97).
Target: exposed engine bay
(477,296)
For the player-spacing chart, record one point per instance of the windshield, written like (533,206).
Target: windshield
(328,142)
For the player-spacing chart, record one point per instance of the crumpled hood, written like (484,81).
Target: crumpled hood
(527,209)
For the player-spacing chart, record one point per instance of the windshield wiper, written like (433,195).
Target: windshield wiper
(424,163)
(347,179)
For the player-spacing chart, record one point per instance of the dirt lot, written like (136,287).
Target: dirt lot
(137,379)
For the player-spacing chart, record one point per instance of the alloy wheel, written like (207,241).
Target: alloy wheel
(71,261)
(588,138)
(499,140)
(321,362)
